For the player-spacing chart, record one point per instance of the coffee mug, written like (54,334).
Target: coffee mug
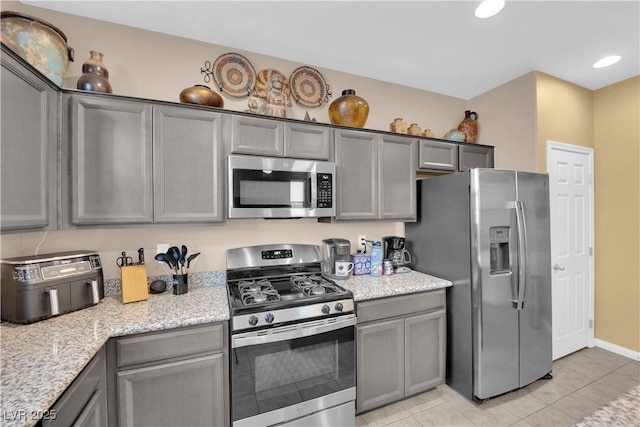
(343,268)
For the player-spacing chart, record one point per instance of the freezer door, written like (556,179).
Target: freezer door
(494,290)
(535,317)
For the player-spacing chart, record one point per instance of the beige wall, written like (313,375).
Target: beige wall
(617,216)
(157,66)
(507,118)
(607,120)
(565,114)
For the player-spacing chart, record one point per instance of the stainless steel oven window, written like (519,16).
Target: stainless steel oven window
(271,376)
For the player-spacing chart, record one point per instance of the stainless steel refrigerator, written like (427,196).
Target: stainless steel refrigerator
(487,231)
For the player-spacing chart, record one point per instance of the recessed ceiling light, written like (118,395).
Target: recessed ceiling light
(609,60)
(489,8)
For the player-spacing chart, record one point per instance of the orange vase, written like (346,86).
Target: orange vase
(469,126)
(349,110)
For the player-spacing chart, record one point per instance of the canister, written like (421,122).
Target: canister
(361,263)
(387,267)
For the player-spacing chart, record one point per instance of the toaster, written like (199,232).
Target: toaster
(38,287)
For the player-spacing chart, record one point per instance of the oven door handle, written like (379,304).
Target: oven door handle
(291,332)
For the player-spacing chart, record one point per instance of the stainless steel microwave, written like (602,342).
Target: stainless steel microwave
(269,187)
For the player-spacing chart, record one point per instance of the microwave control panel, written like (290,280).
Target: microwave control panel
(325,190)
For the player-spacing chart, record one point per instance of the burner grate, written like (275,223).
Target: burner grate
(257,292)
(314,285)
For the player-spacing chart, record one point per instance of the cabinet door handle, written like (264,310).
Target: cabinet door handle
(558,267)
(95,297)
(53,301)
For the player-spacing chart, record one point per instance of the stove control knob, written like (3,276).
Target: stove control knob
(326,309)
(253,320)
(268,317)
(339,306)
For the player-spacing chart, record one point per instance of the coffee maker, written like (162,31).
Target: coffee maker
(334,250)
(394,250)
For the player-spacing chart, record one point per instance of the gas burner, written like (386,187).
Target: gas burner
(257,292)
(314,285)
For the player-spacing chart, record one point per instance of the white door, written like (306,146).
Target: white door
(570,171)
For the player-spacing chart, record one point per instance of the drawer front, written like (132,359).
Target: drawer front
(166,345)
(384,308)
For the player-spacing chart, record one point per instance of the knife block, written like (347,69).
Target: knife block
(133,279)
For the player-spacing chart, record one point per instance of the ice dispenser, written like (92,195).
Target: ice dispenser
(500,262)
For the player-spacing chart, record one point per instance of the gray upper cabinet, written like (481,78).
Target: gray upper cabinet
(307,141)
(277,138)
(29,164)
(437,156)
(397,179)
(375,176)
(111,160)
(356,158)
(252,135)
(187,165)
(475,156)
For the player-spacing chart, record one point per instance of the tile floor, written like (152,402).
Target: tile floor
(582,383)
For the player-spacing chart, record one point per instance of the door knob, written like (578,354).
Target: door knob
(558,267)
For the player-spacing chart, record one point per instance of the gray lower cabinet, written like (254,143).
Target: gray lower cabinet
(111,160)
(188,165)
(170,378)
(135,162)
(277,138)
(475,156)
(84,403)
(28,152)
(375,176)
(401,347)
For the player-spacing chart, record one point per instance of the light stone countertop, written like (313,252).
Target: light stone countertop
(370,287)
(40,360)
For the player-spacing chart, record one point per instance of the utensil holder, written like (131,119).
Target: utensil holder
(180,284)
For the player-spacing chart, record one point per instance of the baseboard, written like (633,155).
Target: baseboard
(614,348)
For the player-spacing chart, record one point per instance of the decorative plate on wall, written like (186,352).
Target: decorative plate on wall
(308,87)
(234,74)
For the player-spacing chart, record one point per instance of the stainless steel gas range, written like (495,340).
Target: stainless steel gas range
(292,339)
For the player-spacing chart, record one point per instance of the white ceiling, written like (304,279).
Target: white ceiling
(433,45)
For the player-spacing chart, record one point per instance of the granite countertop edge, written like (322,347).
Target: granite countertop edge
(370,287)
(40,360)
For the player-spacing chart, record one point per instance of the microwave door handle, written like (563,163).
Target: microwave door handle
(313,184)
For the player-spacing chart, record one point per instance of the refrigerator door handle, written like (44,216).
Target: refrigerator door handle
(522,254)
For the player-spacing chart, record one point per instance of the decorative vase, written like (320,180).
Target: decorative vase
(349,110)
(469,126)
(454,135)
(398,125)
(39,43)
(201,95)
(95,76)
(414,129)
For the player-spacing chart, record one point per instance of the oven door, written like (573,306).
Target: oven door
(287,373)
